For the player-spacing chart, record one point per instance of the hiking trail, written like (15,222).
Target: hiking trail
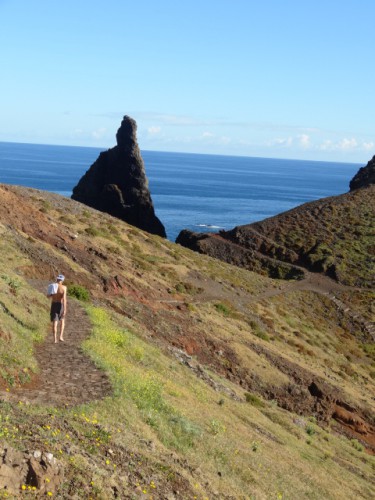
(67,376)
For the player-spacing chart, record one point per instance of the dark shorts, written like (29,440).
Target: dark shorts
(57,310)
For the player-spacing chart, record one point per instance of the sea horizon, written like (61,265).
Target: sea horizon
(200,192)
(105,148)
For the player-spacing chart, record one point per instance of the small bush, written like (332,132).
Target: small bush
(92,231)
(13,283)
(79,292)
(225,309)
(254,400)
(66,219)
(254,446)
(310,429)
(46,205)
(113,229)
(262,335)
(356,445)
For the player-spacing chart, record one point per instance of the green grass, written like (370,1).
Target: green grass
(23,321)
(78,292)
(135,379)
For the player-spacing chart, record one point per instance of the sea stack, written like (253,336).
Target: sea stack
(116,183)
(364,177)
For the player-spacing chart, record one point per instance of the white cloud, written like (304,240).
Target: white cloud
(327,145)
(304,141)
(281,142)
(99,133)
(208,135)
(154,130)
(225,140)
(346,145)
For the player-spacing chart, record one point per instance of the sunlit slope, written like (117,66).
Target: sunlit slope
(211,366)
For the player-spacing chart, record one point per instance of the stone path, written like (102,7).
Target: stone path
(67,376)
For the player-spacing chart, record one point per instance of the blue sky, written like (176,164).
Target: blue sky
(271,78)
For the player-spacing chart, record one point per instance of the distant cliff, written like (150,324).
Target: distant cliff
(364,177)
(116,183)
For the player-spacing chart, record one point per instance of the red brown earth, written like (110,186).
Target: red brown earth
(115,280)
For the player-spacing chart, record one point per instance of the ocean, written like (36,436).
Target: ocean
(189,191)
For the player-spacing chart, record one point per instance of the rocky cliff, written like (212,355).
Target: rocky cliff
(116,183)
(364,177)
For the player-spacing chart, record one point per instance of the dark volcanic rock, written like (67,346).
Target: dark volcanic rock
(116,183)
(364,177)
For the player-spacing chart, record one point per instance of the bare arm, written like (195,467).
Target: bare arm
(64,299)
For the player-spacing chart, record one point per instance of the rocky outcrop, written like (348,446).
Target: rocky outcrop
(317,236)
(116,183)
(364,177)
(35,473)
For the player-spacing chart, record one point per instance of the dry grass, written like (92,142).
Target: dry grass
(163,422)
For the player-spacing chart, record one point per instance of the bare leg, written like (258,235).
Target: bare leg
(62,326)
(54,330)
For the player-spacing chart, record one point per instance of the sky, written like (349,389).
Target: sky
(270,78)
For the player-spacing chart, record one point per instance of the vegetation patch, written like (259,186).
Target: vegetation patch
(136,380)
(226,309)
(79,292)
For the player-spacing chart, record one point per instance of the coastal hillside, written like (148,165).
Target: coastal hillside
(333,236)
(181,376)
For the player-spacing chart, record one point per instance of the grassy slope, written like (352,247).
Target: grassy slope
(164,429)
(333,235)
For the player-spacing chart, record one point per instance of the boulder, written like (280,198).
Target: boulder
(116,183)
(32,471)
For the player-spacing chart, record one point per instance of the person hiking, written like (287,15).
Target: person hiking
(57,292)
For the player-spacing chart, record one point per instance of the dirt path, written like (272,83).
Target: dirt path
(67,376)
(313,282)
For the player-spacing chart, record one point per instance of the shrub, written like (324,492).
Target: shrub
(262,335)
(254,400)
(46,205)
(92,231)
(79,292)
(356,445)
(13,283)
(310,429)
(66,219)
(225,309)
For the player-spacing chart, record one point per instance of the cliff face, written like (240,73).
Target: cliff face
(116,183)
(364,177)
